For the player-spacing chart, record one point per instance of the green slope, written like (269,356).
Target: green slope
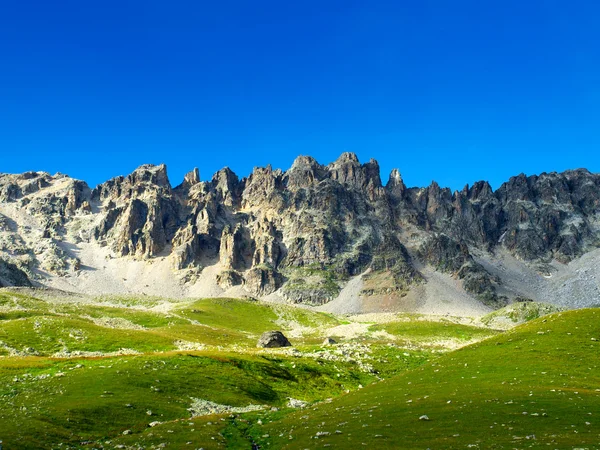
(87,400)
(475,397)
(537,386)
(31,326)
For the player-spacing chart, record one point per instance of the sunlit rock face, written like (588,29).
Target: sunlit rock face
(302,232)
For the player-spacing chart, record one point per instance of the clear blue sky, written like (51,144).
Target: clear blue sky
(452,90)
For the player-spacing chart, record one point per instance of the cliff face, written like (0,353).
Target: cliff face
(303,232)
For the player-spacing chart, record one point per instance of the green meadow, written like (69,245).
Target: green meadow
(126,373)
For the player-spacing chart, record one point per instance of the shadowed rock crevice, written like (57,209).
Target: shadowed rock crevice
(11,275)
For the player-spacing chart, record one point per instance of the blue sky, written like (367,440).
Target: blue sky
(454,91)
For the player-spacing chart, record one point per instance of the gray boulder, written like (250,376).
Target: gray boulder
(273,339)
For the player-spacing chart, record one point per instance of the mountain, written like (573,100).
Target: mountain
(332,236)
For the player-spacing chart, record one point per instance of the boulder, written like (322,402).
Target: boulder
(273,339)
(229,278)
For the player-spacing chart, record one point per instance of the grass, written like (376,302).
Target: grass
(519,312)
(537,386)
(49,335)
(97,399)
(415,331)
(86,401)
(241,315)
(370,390)
(141,318)
(251,316)
(14,300)
(34,326)
(134,301)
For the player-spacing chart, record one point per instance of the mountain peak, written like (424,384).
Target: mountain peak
(150,173)
(192,177)
(347,157)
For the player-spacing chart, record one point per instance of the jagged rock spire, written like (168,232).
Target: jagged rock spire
(150,173)
(395,185)
(192,177)
(348,170)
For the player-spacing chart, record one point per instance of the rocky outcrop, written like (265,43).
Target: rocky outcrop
(262,280)
(54,260)
(227,188)
(15,187)
(266,244)
(141,214)
(347,171)
(444,253)
(303,232)
(146,178)
(312,285)
(391,271)
(229,278)
(237,248)
(11,275)
(450,256)
(551,215)
(144,227)
(305,173)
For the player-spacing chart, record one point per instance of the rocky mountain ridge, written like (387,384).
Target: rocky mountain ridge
(299,234)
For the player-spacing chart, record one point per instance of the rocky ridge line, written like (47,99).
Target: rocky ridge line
(305,231)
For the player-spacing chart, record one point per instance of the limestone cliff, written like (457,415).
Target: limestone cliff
(303,232)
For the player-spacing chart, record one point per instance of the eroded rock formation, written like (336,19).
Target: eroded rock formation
(304,231)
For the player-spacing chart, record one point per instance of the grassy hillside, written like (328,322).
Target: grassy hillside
(517,313)
(417,330)
(537,386)
(32,326)
(79,373)
(150,373)
(48,400)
